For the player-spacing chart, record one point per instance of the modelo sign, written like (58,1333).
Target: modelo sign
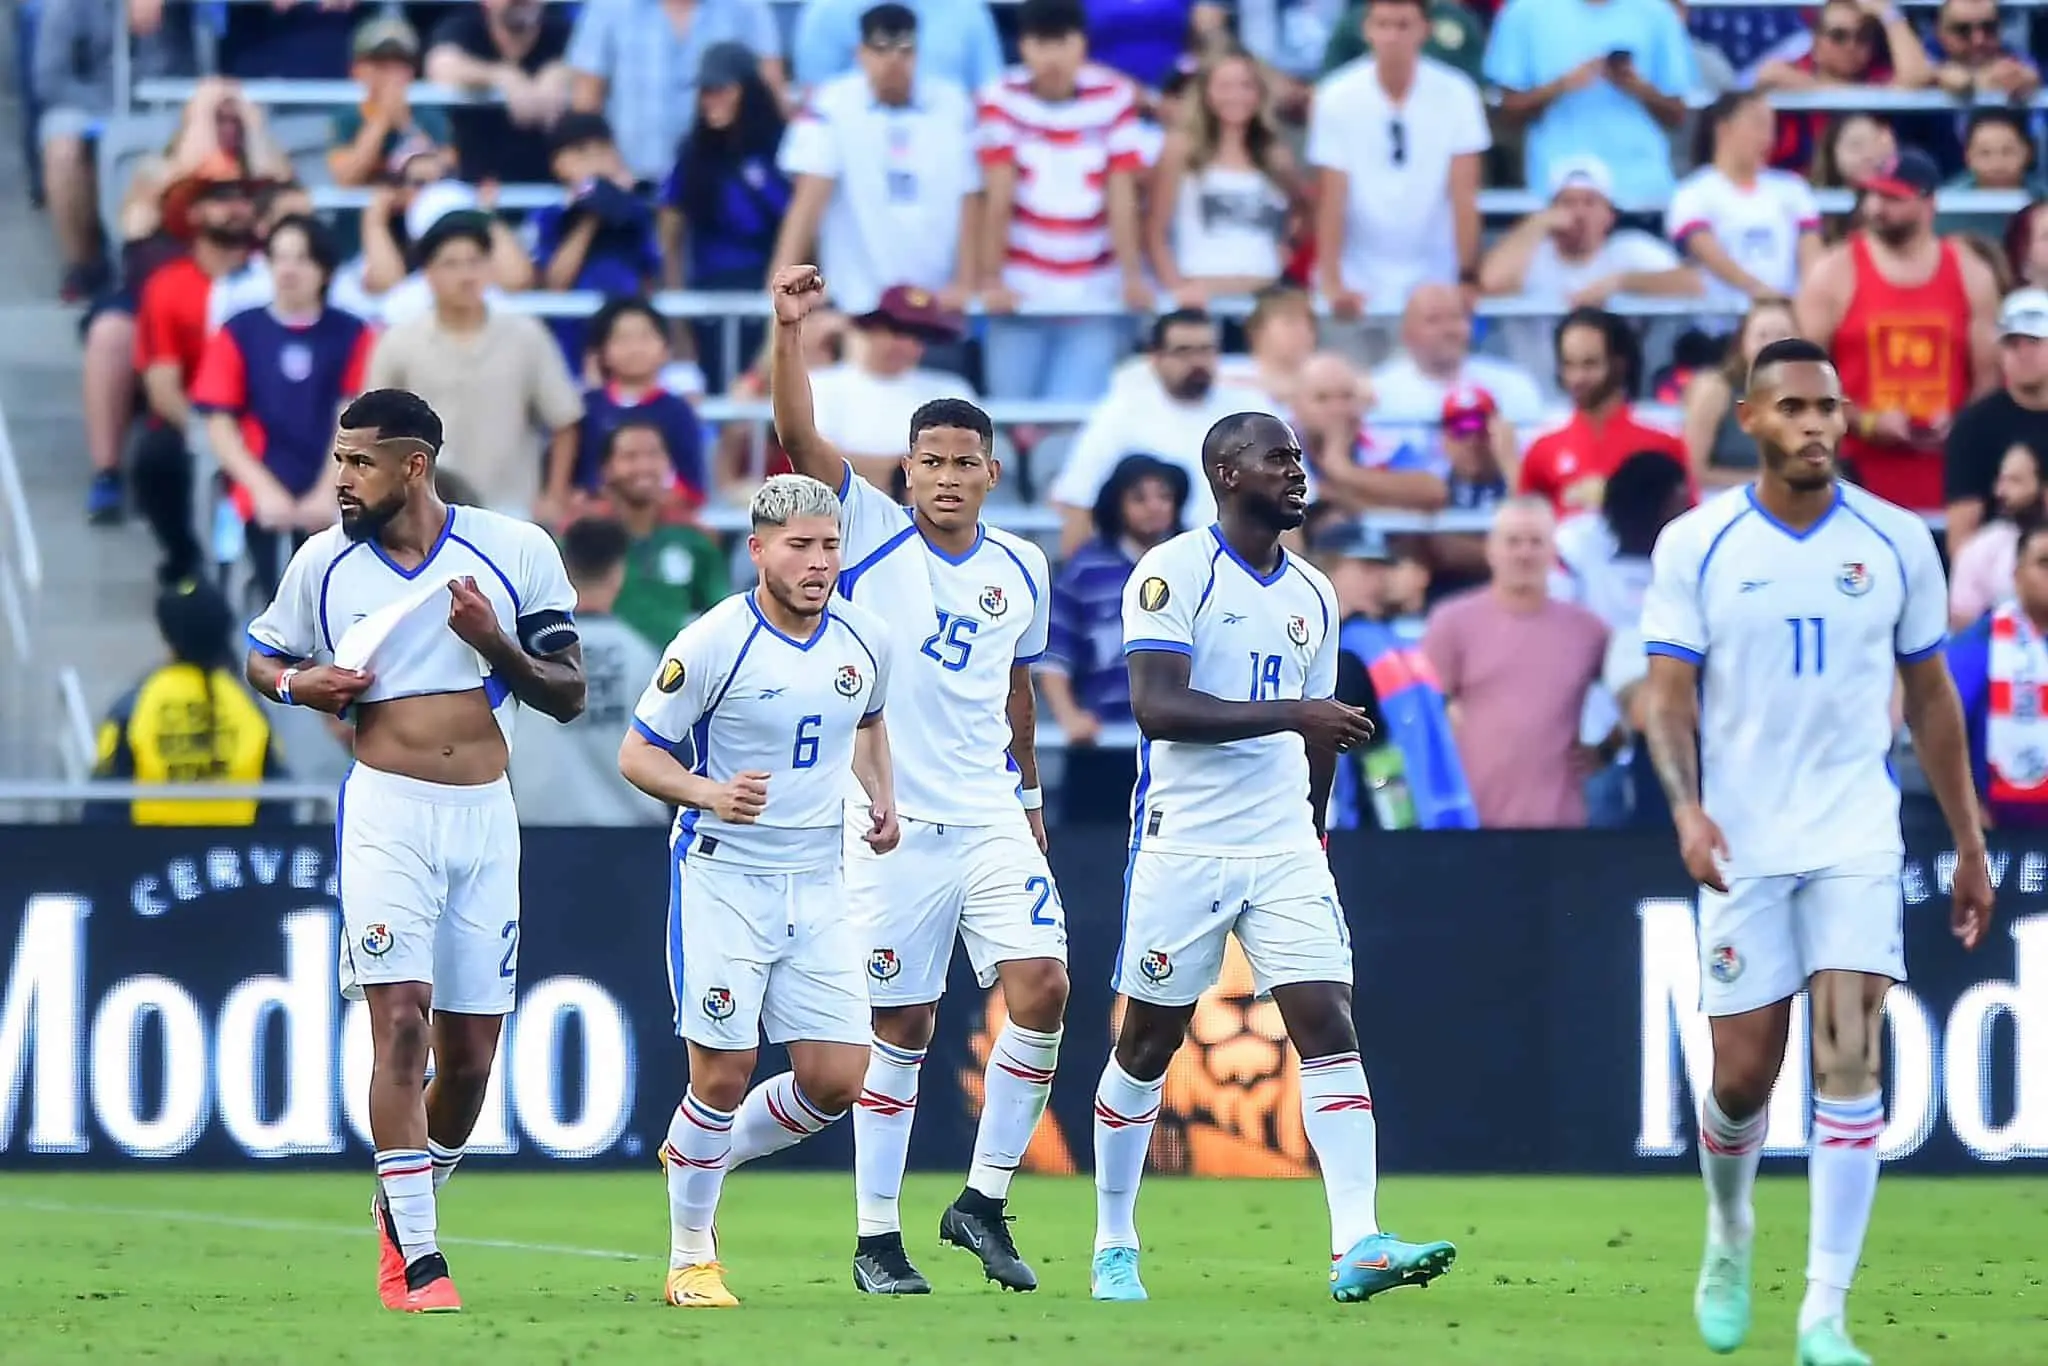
(267,1050)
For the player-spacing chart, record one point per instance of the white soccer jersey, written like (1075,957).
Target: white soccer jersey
(1797,636)
(1249,638)
(1759,227)
(958,627)
(743,696)
(334,582)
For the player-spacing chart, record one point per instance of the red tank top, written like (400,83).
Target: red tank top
(1904,348)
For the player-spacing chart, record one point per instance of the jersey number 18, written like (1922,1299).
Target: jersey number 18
(1809,645)
(1265,677)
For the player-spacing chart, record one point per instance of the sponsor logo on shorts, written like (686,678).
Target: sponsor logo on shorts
(993,602)
(1724,964)
(1297,630)
(718,1003)
(1152,594)
(847,681)
(1155,966)
(671,676)
(1854,580)
(883,964)
(377,940)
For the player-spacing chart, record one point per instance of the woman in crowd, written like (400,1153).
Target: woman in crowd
(1722,454)
(1981,578)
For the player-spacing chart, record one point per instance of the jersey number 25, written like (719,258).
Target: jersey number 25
(952,642)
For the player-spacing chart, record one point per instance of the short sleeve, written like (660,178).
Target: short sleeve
(995,138)
(1471,134)
(355,375)
(1923,620)
(679,694)
(880,697)
(222,385)
(1688,211)
(808,146)
(290,627)
(547,602)
(826,35)
(760,33)
(1159,605)
(1126,142)
(1096,449)
(1804,207)
(156,330)
(1326,129)
(1672,624)
(1640,251)
(387,362)
(1031,645)
(557,401)
(1671,67)
(590,41)
(868,517)
(1322,667)
(1510,62)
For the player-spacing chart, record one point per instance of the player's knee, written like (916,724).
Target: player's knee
(1845,1058)
(833,1083)
(1742,1084)
(1035,993)
(402,1042)
(906,1026)
(463,1073)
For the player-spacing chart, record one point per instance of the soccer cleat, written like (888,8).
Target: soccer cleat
(978,1224)
(1114,1275)
(882,1267)
(699,1287)
(428,1288)
(1827,1344)
(391,1287)
(1379,1262)
(103,499)
(1720,1305)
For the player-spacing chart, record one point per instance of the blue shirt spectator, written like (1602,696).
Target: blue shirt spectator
(956,39)
(629,59)
(603,238)
(1144,39)
(1558,52)
(629,344)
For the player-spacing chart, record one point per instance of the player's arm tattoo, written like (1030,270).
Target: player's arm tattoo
(1166,708)
(1934,713)
(1671,727)
(552,683)
(1023,712)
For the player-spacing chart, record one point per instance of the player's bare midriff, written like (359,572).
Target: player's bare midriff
(450,738)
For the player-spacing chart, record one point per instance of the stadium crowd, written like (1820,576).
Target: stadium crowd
(1066,203)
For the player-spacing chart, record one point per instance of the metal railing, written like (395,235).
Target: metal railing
(25,693)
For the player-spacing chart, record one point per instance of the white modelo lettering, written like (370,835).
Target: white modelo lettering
(492,1133)
(117,1067)
(1968,1048)
(304,999)
(607,1068)
(40,1016)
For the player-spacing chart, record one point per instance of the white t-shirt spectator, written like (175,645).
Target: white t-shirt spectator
(866,414)
(1759,227)
(1230,220)
(1549,276)
(900,174)
(1404,398)
(1138,417)
(1399,231)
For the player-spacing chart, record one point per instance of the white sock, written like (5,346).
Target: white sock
(1125,1111)
(1730,1151)
(881,1135)
(1841,1175)
(697,1157)
(407,1177)
(1018,1081)
(1336,1112)
(445,1161)
(775,1115)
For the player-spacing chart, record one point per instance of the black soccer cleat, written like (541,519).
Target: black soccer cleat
(978,1224)
(882,1267)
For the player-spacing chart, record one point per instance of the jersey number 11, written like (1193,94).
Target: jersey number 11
(1809,645)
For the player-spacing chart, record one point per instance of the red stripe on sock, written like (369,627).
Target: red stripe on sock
(388,1173)
(784,1120)
(1329,1103)
(1037,1076)
(1116,1121)
(887,1106)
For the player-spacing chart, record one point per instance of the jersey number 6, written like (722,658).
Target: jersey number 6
(804,754)
(955,638)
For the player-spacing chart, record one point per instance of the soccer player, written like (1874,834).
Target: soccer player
(1232,647)
(968,605)
(1777,617)
(428,840)
(776,693)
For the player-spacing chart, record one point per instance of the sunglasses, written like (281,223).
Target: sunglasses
(1397,135)
(1973,28)
(1846,36)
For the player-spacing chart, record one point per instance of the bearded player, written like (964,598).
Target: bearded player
(1777,617)
(1232,648)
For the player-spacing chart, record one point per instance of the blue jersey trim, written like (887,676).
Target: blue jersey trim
(1171,647)
(1673,650)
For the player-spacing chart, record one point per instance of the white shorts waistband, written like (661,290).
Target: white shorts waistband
(365,781)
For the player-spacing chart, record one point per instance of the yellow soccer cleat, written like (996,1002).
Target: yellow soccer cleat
(700,1287)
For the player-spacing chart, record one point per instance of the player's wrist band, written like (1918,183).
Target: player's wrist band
(284,687)
(1032,797)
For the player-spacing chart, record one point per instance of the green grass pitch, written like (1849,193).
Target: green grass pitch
(279,1267)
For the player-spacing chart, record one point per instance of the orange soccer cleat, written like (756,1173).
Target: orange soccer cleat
(390,1261)
(428,1287)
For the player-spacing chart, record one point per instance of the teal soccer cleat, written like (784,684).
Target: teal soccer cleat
(1379,1262)
(1114,1275)
(1720,1305)
(1827,1344)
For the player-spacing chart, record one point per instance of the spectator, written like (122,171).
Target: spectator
(1456,38)
(1855,148)
(1855,43)
(884,173)
(1436,334)
(1998,153)
(492,375)
(1279,335)
(1599,365)
(674,572)
(630,349)
(955,42)
(1060,158)
(1753,230)
(386,60)
(1981,576)
(1474,456)
(513,49)
(602,238)
(1606,78)
(1516,665)
(391,285)
(1082,674)
(1397,140)
(1998,666)
(2015,414)
(1910,321)
(1148,39)
(1163,410)
(2026,245)
(190,720)
(637,61)
(1355,468)
(568,774)
(1717,449)
(271,382)
(1971,58)
(1223,192)
(865,402)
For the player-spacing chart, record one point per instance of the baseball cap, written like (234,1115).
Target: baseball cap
(1581,173)
(1911,174)
(2024,314)
(577,130)
(1467,410)
(385,35)
(442,211)
(907,308)
(726,65)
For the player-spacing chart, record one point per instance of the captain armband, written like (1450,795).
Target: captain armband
(547,633)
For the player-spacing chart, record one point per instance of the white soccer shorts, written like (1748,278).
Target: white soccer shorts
(750,953)
(1762,940)
(429,889)
(986,884)
(1179,907)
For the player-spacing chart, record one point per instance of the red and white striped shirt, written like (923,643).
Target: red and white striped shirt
(1065,152)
